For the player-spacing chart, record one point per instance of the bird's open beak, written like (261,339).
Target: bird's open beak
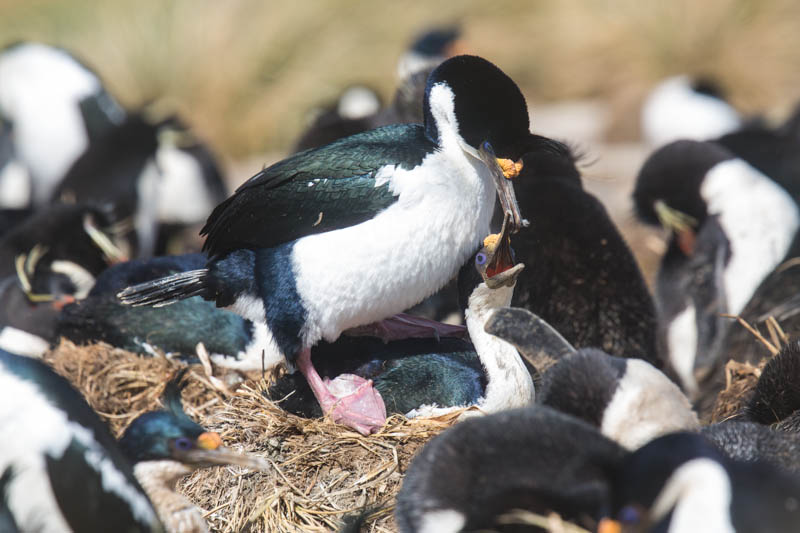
(502,182)
(500,267)
(681,224)
(210,452)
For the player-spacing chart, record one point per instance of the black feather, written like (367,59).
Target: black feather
(167,290)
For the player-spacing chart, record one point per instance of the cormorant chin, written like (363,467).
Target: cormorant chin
(506,278)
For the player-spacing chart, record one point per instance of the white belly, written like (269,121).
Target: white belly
(383,266)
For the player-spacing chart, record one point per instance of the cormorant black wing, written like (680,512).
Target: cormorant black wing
(315,191)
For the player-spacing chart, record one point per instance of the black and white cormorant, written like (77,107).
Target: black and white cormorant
(44,93)
(362,228)
(151,173)
(731,229)
(426,376)
(67,473)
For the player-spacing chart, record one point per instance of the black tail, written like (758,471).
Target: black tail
(167,290)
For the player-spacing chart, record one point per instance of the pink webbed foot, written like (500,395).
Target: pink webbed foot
(403,326)
(349,400)
(355,403)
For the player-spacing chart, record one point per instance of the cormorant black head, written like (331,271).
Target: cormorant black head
(477,100)
(668,188)
(167,434)
(493,265)
(170,434)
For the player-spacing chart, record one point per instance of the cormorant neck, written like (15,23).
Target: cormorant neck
(509,384)
(159,480)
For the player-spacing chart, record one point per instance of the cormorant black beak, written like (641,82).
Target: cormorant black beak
(500,268)
(502,182)
(210,452)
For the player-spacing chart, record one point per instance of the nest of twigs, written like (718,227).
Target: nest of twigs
(320,472)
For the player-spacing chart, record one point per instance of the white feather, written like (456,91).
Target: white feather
(252,308)
(21,342)
(358,102)
(145,220)
(674,110)
(442,521)
(250,358)
(509,384)
(183,196)
(682,346)
(79,276)
(646,405)
(15,186)
(760,220)
(699,495)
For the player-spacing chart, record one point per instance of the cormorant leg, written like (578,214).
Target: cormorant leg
(349,400)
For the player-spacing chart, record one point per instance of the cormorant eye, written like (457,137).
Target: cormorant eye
(629,515)
(183,444)
(480,259)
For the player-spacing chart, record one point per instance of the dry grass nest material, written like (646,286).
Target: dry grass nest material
(320,472)
(741,379)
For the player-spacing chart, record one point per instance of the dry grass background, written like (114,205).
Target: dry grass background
(246,72)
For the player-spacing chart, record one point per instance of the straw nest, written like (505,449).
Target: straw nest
(740,382)
(320,472)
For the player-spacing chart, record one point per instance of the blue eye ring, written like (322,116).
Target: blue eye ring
(629,515)
(183,444)
(480,258)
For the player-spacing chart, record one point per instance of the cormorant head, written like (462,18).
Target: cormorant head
(493,265)
(477,101)
(171,434)
(668,188)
